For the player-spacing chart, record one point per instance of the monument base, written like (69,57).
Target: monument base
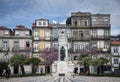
(62,68)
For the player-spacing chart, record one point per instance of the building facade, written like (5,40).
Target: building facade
(87,34)
(16,42)
(115,53)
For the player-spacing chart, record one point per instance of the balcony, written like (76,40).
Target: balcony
(81,51)
(42,38)
(115,54)
(36,37)
(100,37)
(83,39)
(21,49)
(37,50)
(100,25)
(100,50)
(2,49)
(55,38)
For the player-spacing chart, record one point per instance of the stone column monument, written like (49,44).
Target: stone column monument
(62,66)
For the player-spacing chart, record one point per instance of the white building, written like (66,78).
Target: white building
(115,55)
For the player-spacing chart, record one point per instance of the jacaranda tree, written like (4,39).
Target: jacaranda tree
(49,55)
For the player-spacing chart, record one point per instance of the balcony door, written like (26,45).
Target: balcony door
(5,45)
(27,44)
(16,45)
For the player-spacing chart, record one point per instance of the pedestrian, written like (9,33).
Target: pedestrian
(41,70)
(4,73)
(8,73)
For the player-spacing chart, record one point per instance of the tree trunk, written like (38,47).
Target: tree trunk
(88,70)
(22,69)
(102,69)
(33,69)
(98,70)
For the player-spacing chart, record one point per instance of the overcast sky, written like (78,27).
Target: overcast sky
(24,12)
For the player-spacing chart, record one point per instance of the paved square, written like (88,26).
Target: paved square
(62,79)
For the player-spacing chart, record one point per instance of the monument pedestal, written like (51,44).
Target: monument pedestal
(62,68)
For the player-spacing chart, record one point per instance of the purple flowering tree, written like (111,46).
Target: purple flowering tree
(49,55)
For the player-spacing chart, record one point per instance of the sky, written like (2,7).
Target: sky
(25,12)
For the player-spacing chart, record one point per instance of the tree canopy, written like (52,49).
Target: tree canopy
(49,55)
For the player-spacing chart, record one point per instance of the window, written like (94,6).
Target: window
(106,45)
(6,33)
(75,34)
(68,34)
(16,33)
(100,33)
(55,45)
(82,22)
(86,34)
(75,47)
(86,22)
(27,33)
(115,49)
(75,57)
(81,47)
(39,23)
(47,45)
(5,45)
(116,61)
(44,23)
(36,46)
(75,22)
(94,33)
(16,45)
(47,34)
(27,44)
(106,33)
(55,34)
(36,34)
(81,34)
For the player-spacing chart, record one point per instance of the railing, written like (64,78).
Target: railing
(21,49)
(100,37)
(100,25)
(81,51)
(42,38)
(100,50)
(89,50)
(4,49)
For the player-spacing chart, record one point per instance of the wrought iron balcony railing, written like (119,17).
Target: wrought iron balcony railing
(21,49)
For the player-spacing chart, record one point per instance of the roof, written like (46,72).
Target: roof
(21,27)
(42,19)
(115,43)
(4,28)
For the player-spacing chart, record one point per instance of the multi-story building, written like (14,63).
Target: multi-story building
(115,53)
(80,24)
(41,38)
(5,42)
(16,42)
(87,33)
(90,33)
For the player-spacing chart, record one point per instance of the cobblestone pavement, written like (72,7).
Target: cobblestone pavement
(62,79)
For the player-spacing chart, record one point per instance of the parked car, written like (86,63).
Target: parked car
(108,72)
